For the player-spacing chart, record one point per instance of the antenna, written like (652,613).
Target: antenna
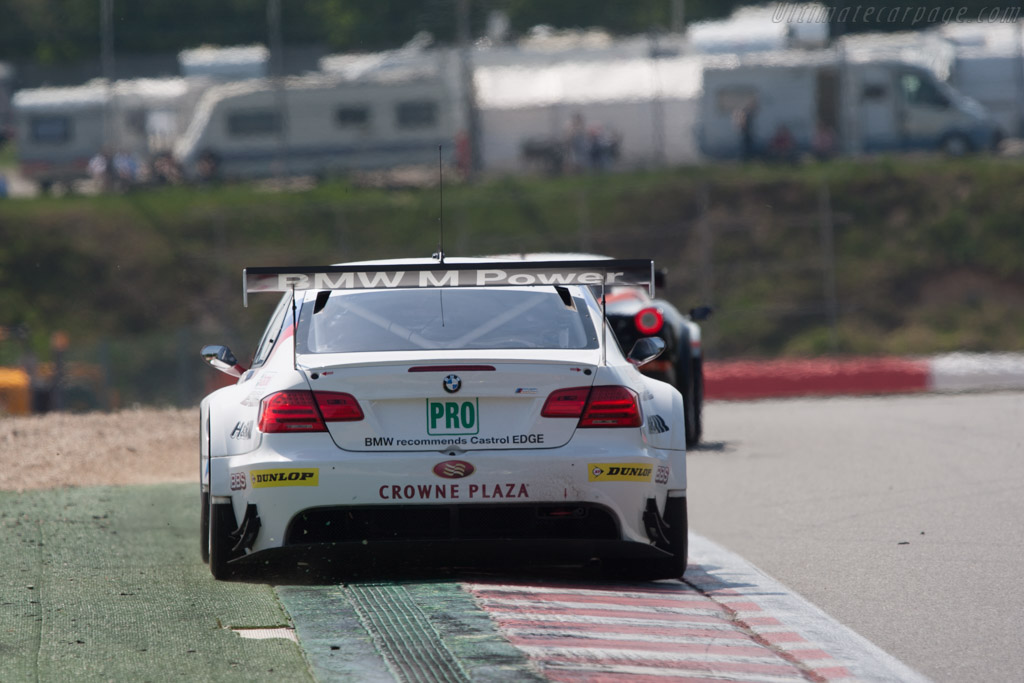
(440,216)
(604,321)
(295,333)
(440,220)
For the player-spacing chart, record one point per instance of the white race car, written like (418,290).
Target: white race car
(467,407)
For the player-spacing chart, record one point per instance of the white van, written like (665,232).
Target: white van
(316,124)
(819,99)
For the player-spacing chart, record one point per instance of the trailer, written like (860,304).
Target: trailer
(318,124)
(829,101)
(232,63)
(59,130)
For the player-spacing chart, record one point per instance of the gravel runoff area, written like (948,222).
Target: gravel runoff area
(158,445)
(137,446)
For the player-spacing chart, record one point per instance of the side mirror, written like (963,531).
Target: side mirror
(220,357)
(701,313)
(645,350)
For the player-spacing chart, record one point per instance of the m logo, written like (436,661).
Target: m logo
(452,383)
(656,424)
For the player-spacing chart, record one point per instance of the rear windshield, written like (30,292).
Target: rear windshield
(432,319)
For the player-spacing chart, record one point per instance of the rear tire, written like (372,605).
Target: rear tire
(691,412)
(222,523)
(663,567)
(698,404)
(679,542)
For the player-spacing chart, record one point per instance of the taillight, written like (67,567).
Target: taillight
(602,406)
(290,411)
(649,321)
(611,406)
(566,402)
(338,407)
(305,411)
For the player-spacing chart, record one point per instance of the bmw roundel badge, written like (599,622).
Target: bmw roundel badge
(452,383)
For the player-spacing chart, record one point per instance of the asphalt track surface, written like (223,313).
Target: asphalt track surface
(901,517)
(829,497)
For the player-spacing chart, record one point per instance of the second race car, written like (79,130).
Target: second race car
(633,313)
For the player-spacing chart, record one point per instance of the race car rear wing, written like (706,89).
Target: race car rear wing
(480,274)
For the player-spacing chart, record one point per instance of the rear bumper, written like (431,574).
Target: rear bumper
(395,556)
(428,523)
(565,496)
(476,553)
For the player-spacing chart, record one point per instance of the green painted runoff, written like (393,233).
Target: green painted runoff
(107,584)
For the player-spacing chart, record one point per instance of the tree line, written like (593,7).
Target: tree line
(65,31)
(61,31)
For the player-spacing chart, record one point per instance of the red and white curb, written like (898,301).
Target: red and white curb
(726,621)
(953,372)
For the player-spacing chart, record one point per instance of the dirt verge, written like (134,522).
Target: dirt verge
(141,446)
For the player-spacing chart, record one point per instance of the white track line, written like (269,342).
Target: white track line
(864,660)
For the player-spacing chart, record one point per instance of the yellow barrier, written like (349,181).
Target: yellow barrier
(14,392)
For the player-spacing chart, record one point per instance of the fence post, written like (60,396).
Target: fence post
(583,211)
(828,257)
(184,370)
(107,397)
(705,239)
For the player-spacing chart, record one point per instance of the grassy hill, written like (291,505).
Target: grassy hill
(908,256)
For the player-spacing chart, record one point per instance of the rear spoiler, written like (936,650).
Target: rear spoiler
(480,274)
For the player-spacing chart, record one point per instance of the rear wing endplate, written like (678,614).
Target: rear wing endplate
(481,274)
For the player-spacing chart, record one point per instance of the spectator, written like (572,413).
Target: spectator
(126,169)
(604,147)
(824,141)
(745,118)
(783,145)
(463,155)
(165,170)
(577,143)
(208,167)
(101,171)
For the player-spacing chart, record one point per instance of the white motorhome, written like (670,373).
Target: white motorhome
(861,106)
(318,124)
(234,63)
(58,130)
